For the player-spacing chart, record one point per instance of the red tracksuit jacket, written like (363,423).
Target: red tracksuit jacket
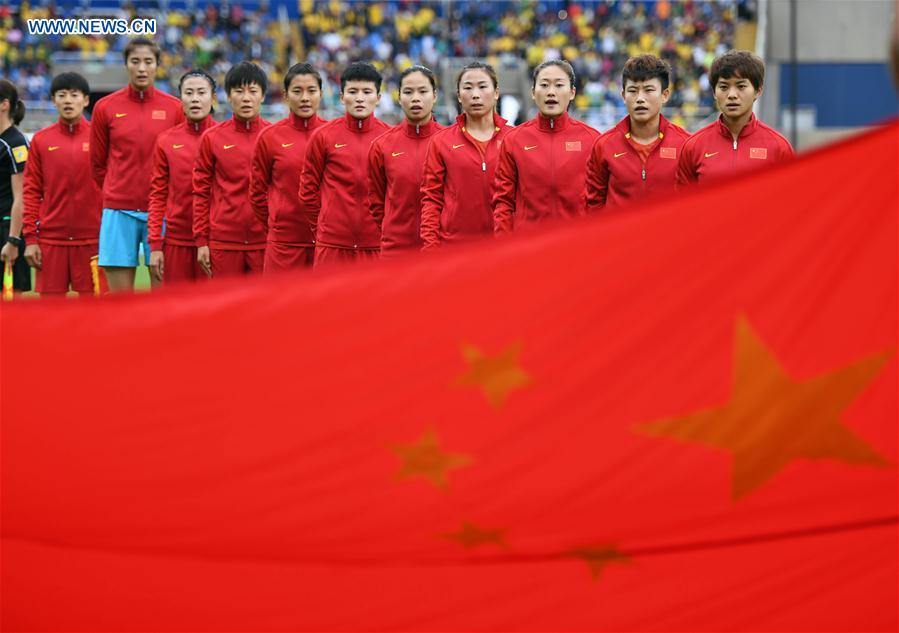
(172,187)
(124,127)
(395,171)
(223,218)
(277,165)
(458,185)
(58,190)
(541,172)
(616,174)
(334,184)
(712,153)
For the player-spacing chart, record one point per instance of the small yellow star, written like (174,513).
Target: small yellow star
(470,536)
(425,458)
(773,419)
(495,375)
(599,557)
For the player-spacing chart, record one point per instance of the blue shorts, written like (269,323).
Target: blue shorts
(122,235)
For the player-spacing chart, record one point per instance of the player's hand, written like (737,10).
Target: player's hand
(9,253)
(33,256)
(204,260)
(157,265)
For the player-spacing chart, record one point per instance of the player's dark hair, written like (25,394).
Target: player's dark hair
(646,68)
(487,68)
(303,68)
(69,81)
(561,63)
(361,71)
(740,64)
(140,41)
(244,74)
(424,70)
(9,92)
(196,72)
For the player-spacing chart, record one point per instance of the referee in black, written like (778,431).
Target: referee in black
(13,155)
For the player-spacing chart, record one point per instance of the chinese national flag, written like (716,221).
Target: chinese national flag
(678,418)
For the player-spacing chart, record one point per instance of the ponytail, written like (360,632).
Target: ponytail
(17,113)
(8,92)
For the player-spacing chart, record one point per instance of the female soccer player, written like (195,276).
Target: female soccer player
(13,155)
(542,163)
(277,165)
(461,164)
(396,161)
(174,257)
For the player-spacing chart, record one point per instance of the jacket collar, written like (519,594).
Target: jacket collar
(299,123)
(624,126)
(199,127)
(140,95)
(750,127)
(70,129)
(247,127)
(419,131)
(358,125)
(498,122)
(557,124)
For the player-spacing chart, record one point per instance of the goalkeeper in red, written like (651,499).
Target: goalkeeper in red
(737,141)
(62,201)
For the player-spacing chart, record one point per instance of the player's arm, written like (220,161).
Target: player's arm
(32,197)
(432,197)
(159,197)
(377,183)
(311,178)
(686,168)
(99,150)
(10,252)
(261,180)
(596,186)
(203,172)
(505,190)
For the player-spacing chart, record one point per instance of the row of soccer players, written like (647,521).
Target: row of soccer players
(247,196)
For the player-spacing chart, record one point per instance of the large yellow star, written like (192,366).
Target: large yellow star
(773,419)
(599,557)
(425,458)
(495,375)
(470,536)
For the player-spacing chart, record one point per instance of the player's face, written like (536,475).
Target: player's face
(196,98)
(141,65)
(70,104)
(477,93)
(417,97)
(735,97)
(552,91)
(644,99)
(360,98)
(245,101)
(304,96)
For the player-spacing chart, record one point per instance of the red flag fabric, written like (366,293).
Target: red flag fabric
(676,418)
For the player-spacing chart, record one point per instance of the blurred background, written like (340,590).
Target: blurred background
(827,71)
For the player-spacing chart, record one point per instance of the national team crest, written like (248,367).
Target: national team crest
(668,152)
(572,146)
(159,114)
(761,153)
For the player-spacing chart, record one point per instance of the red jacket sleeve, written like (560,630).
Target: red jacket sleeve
(204,169)
(311,179)
(377,183)
(32,193)
(99,144)
(159,196)
(261,180)
(432,197)
(686,170)
(505,191)
(597,182)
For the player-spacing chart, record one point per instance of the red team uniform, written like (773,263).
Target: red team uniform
(277,164)
(621,170)
(540,176)
(171,199)
(124,127)
(62,207)
(334,189)
(223,218)
(459,184)
(713,154)
(395,173)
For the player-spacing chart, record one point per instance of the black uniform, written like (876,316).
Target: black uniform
(13,154)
